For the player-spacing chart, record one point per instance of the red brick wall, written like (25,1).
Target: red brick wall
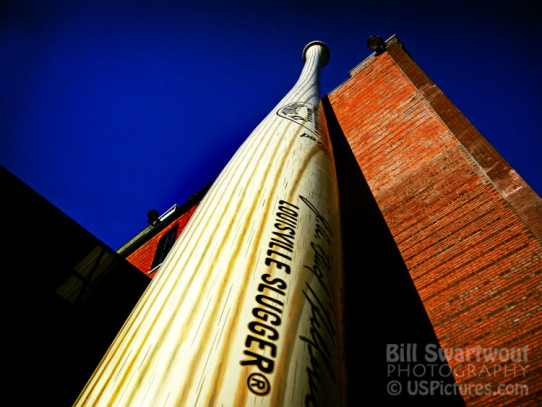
(142,258)
(468,226)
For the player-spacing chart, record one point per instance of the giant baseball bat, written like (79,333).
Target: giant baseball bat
(246,309)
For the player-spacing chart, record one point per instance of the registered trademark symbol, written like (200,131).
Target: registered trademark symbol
(258,384)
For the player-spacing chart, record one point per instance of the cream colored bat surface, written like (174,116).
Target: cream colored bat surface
(246,309)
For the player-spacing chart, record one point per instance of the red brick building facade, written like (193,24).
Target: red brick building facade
(148,249)
(467,226)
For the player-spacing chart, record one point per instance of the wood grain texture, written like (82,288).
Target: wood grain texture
(246,309)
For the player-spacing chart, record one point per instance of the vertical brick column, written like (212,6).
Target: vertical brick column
(467,225)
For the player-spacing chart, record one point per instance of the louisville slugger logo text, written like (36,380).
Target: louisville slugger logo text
(261,342)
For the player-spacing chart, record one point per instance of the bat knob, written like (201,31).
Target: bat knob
(325,52)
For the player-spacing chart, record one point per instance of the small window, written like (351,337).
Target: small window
(164,246)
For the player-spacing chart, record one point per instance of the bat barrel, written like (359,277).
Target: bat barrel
(246,308)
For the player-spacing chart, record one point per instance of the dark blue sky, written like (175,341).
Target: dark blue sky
(110,109)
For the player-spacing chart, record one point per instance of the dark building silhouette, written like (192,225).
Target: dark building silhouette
(64,297)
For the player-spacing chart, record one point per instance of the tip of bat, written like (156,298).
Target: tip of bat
(326,53)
